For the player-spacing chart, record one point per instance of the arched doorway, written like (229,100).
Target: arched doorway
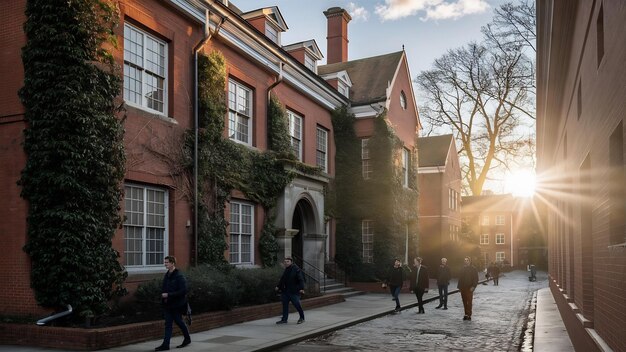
(304,221)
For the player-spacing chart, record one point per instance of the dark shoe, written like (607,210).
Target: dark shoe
(397,310)
(301,320)
(445,308)
(466,318)
(281,322)
(437,307)
(184,344)
(469,318)
(162,348)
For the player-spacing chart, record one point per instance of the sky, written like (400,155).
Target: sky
(426,28)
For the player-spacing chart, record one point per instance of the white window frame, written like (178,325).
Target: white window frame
(402,100)
(485,220)
(321,157)
(405,167)
(499,219)
(366,166)
(143,61)
(296,123)
(343,89)
(146,215)
(500,257)
(500,238)
(310,63)
(367,238)
(272,32)
(240,102)
(237,228)
(453,199)
(484,238)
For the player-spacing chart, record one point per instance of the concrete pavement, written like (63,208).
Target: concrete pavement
(265,335)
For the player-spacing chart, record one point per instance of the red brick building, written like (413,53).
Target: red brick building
(581,110)
(439,177)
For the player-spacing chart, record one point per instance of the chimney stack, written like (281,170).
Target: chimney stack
(337,35)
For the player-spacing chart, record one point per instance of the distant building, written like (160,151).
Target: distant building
(581,108)
(439,176)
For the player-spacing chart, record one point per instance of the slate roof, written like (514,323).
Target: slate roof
(370,76)
(433,150)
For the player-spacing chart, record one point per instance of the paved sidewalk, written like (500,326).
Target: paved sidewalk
(265,335)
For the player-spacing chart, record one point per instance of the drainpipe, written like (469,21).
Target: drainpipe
(44,321)
(279,79)
(196,49)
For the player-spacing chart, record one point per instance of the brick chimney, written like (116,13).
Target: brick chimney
(337,35)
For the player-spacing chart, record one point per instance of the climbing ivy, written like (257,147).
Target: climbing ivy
(225,166)
(382,198)
(75,154)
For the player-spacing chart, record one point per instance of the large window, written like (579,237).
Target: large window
(321,159)
(453,199)
(295,132)
(405,167)
(484,238)
(500,257)
(239,112)
(145,226)
(499,238)
(241,233)
(145,70)
(367,237)
(499,219)
(366,165)
(485,221)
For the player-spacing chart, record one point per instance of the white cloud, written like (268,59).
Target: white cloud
(358,13)
(433,9)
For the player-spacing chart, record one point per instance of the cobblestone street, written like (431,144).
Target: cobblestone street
(497,324)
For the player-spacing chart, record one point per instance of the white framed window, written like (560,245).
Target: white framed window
(239,112)
(403,100)
(241,233)
(343,89)
(145,226)
(453,199)
(321,159)
(484,238)
(500,257)
(310,63)
(485,221)
(145,70)
(271,32)
(367,237)
(405,167)
(499,219)
(499,238)
(366,165)
(295,132)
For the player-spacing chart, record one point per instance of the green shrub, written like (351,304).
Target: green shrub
(211,289)
(258,285)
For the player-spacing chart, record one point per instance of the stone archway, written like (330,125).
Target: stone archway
(303,220)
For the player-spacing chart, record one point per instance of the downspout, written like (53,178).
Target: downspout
(511,226)
(196,49)
(279,79)
(44,321)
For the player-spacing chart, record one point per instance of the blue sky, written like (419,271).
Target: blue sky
(426,28)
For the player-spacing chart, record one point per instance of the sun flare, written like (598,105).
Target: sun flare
(521,183)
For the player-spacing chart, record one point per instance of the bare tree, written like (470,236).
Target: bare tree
(513,24)
(483,92)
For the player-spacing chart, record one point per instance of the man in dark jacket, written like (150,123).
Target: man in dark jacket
(419,282)
(395,282)
(174,300)
(468,280)
(291,286)
(443,280)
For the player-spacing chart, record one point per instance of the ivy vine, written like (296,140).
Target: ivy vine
(75,154)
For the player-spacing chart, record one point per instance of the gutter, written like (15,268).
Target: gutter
(44,321)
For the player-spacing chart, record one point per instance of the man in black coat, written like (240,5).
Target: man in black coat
(443,280)
(468,280)
(174,300)
(419,282)
(291,286)
(395,282)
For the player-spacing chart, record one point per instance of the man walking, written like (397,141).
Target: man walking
(174,299)
(419,283)
(443,280)
(395,281)
(291,286)
(468,280)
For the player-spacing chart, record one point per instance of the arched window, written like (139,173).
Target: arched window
(403,100)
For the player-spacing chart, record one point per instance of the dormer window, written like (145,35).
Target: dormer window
(310,63)
(271,32)
(343,89)
(403,100)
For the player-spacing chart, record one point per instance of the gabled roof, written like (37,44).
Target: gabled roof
(434,150)
(370,76)
(310,45)
(272,12)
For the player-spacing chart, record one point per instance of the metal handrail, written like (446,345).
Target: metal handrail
(319,278)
